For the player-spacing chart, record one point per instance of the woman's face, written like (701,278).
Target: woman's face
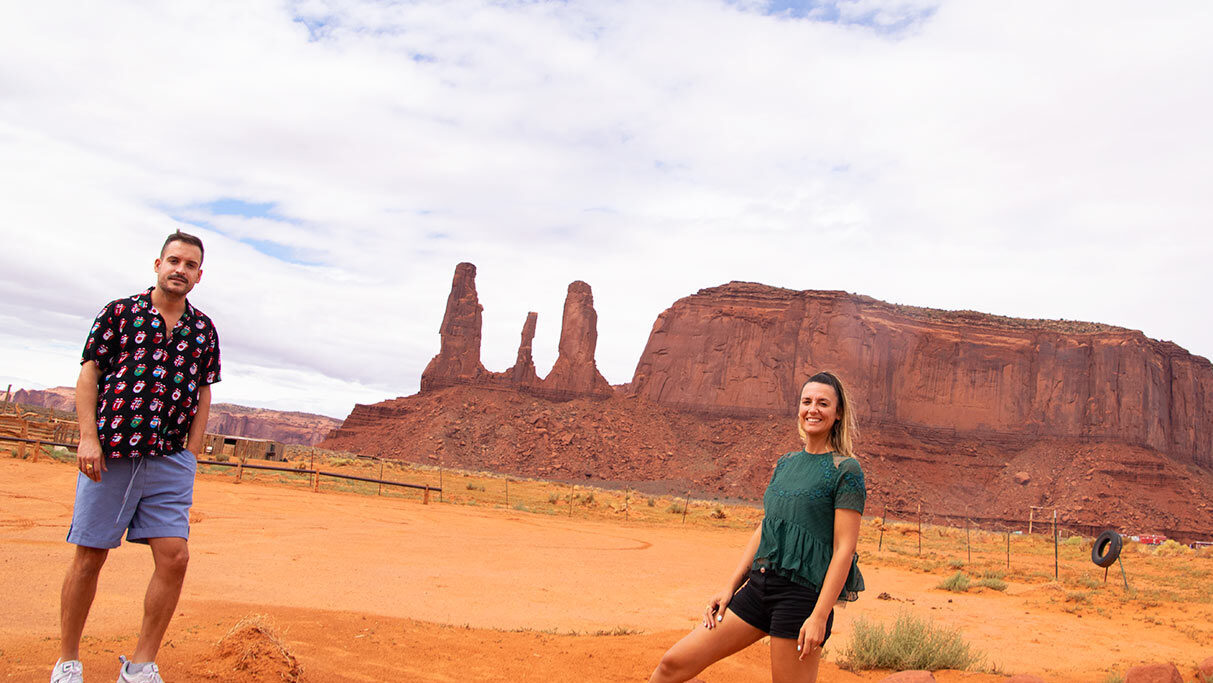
(818,409)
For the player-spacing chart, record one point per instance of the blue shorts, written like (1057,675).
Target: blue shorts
(143,497)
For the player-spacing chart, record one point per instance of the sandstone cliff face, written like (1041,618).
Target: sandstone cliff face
(458,361)
(575,371)
(743,349)
(523,372)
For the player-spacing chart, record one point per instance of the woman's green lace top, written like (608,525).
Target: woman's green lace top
(798,517)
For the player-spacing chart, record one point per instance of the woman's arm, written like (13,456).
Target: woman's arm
(715,608)
(846,537)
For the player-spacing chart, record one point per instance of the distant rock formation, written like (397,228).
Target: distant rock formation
(973,416)
(56,398)
(574,374)
(742,349)
(225,418)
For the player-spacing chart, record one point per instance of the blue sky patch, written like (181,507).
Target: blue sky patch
(894,20)
(226,206)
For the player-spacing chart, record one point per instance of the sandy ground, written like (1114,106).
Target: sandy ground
(364,589)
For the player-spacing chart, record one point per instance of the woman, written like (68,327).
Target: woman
(799,561)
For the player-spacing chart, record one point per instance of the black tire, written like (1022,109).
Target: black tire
(1106,549)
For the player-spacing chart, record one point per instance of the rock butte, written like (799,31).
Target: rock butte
(970,414)
(225,418)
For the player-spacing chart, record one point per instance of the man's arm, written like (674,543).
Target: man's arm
(88,453)
(198,427)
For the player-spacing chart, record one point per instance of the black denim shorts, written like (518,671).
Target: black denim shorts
(775,605)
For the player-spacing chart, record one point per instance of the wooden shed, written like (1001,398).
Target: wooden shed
(241,448)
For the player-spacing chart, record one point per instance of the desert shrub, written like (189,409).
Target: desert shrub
(957,564)
(957,583)
(588,498)
(910,643)
(1088,582)
(1078,596)
(994,574)
(1073,540)
(340,462)
(651,502)
(675,508)
(1171,548)
(220,457)
(718,513)
(474,487)
(553,498)
(1114,677)
(520,507)
(996,584)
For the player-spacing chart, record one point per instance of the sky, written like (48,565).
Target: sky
(339,158)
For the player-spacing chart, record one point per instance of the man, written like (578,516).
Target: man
(142,401)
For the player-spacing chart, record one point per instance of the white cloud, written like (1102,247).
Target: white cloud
(1032,159)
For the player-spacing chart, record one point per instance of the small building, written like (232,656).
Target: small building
(224,446)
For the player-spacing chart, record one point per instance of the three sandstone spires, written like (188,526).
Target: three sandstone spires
(458,361)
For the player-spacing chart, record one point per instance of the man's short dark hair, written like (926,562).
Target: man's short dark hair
(188,239)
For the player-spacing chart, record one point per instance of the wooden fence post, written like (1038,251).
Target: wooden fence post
(507,492)
(380,478)
(37,450)
(686,504)
(426,499)
(920,529)
(884,519)
(571,489)
(1008,550)
(24,448)
(626,493)
(1055,569)
(968,547)
(240,471)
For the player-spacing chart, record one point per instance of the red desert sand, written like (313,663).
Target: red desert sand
(290,585)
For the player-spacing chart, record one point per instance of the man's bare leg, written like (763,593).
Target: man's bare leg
(79,589)
(172,556)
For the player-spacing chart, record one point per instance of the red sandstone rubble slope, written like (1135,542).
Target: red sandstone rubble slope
(968,414)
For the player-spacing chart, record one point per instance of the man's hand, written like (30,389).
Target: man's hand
(89,459)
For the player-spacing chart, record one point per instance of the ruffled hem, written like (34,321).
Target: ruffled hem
(803,557)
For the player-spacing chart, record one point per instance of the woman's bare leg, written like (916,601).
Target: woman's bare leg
(702,647)
(788,667)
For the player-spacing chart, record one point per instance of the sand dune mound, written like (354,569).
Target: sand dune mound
(253,651)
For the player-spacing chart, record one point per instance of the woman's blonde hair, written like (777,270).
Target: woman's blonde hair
(843,430)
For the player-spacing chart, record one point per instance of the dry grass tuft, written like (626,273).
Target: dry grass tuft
(253,647)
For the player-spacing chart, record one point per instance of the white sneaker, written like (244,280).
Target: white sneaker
(149,675)
(71,671)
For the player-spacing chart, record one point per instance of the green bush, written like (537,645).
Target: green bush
(910,643)
(957,583)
